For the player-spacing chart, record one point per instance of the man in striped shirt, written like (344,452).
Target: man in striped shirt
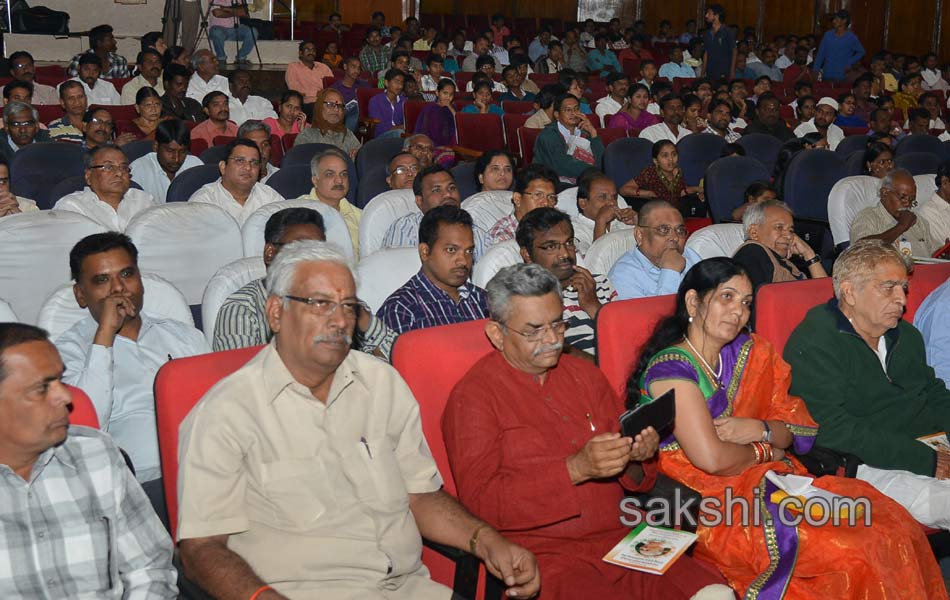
(440,293)
(546,237)
(433,186)
(242,320)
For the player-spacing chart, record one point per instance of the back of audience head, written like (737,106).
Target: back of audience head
(290,225)
(732,149)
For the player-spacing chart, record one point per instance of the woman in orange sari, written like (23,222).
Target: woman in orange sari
(735,422)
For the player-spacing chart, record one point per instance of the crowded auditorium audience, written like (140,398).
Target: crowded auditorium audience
(473,242)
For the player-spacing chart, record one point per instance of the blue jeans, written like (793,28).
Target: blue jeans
(219,35)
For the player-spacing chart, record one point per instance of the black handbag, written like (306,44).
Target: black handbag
(40,19)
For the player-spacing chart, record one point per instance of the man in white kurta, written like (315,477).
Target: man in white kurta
(206,78)
(238,191)
(107,198)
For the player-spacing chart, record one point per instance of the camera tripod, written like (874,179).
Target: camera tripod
(203,31)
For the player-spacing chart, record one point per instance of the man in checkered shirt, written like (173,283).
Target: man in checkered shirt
(73,520)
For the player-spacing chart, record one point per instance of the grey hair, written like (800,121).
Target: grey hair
(857,263)
(408,142)
(888,182)
(316,160)
(755,214)
(90,156)
(197,58)
(252,125)
(281,273)
(528,280)
(16,106)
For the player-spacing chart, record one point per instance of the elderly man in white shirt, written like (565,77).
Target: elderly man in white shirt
(936,212)
(108,197)
(238,191)
(114,353)
(243,105)
(824,123)
(98,90)
(672,111)
(169,157)
(205,78)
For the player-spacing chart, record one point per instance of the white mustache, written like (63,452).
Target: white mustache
(333,338)
(546,348)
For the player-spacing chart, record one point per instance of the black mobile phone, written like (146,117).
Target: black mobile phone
(658,414)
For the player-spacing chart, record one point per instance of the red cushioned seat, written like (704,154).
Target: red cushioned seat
(82,411)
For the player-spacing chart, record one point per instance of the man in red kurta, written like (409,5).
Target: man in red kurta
(532,441)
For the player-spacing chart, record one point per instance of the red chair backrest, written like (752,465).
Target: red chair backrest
(119,112)
(609,135)
(363,96)
(82,411)
(179,385)
(924,280)
(455,348)
(519,107)
(632,68)
(49,74)
(526,139)
(543,79)
(462,79)
(479,132)
(780,307)
(622,328)
(411,110)
(855,130)
(329,81)
(119,83)
(48,112)
(511,123)
(223,140)
(277,145)
(198,145)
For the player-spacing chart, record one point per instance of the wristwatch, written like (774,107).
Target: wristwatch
(814,259)
(767,434)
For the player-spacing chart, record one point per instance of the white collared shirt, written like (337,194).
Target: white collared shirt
(132,87)
(662,131)
(271,171)
(104,92)
(119,379)
(254,107)
(87,203)
(607,106)
(834,136)
(198,88)
(215,193)
(149,174)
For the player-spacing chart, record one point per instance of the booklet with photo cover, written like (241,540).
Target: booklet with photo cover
(937,441)
(650,549)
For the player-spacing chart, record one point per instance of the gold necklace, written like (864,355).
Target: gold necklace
(717,376)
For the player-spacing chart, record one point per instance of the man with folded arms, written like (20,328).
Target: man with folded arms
(532,438)
(74,521)
(324,447)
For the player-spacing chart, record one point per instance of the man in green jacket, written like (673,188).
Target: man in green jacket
(570,144)
(862,372)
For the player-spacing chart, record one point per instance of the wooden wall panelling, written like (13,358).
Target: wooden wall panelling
(744,13)
(867,22)
(360,12)
(676,11)
(783,17)
(911,26)
(944,50)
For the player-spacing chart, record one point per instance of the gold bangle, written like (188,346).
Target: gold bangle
(473,542)
(758,453)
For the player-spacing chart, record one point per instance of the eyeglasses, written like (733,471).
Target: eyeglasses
(333,105)
(421,148)
(30,123)
(910,199)
(535,334)
(552,247)
(539,195)
(666,230)
(242,162)
(112,168)
(402,170)
(325,308)
(103,122)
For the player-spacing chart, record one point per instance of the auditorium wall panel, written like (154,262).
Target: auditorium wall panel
(911,26)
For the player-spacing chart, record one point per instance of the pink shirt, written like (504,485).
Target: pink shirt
(206,131)
(305,80)
(276,130)
(214,21)
(499,35)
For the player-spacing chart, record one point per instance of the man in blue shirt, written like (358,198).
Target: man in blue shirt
(675,68)
(440,293)
(766,67)
(657,265)
(719,41)
(601,59)
(933,321)
(839,49)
